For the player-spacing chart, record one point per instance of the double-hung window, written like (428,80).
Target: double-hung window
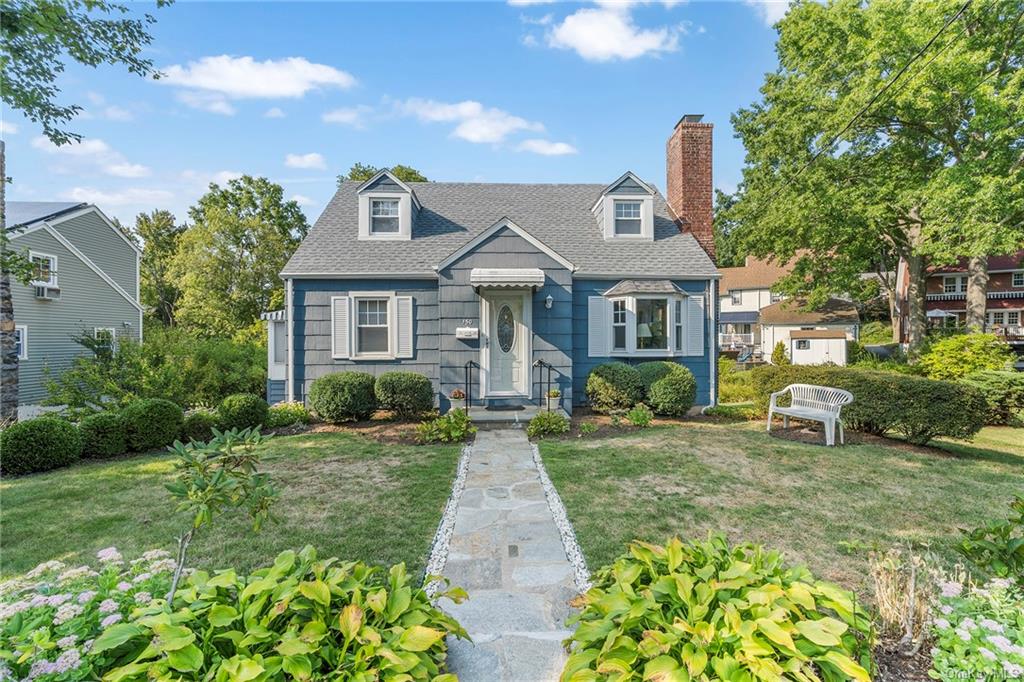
(1018,278)
(44,269)
(1013,318)
(373,335)
(678,324)
(998,318)
(736,297)
(619,313)
(105,339)
(21,341)
(652,324)
(627,218)
(384,218)
(954,285)
(774,297)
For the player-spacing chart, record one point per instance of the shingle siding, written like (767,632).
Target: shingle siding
(91,235)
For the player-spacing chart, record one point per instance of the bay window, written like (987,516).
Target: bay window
(652,324)
(619,313)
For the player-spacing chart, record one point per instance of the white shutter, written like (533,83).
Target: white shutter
(341,338)
(694,325)
(403,304)
(598,326)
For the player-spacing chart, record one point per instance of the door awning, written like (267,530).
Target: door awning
(506,277)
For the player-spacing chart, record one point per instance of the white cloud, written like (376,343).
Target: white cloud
(8,128)
(102,110)
(311,160)
(202,178)
(527,3)
(547,147)
(350,116)
(206,101)
(122,197)
(302,200)
(608,32)
(244,77)
(273,112)
(92,152)
(475,123)
(770,11)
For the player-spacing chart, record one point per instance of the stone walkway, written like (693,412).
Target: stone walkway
(507,553)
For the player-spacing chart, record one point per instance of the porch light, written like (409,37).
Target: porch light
(549,301)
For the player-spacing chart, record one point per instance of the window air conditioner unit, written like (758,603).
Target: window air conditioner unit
(48,293)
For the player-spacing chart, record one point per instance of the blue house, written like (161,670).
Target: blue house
(496,287)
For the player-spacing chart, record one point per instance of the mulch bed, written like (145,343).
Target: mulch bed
(383,431)
(895,667)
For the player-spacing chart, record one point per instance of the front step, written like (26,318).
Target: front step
(508,416)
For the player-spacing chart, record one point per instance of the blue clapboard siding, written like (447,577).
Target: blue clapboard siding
(460,306)
(275,391)
(312,329)
(583,364)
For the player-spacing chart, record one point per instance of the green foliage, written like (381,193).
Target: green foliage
(170,365)
(361,172)
(916,408)
(199,425)
(954,357)
(301,618)
(997,548)
(152,423)
(674,394)
(554,393)
(876,333)
(288,414)
(779,356)
(1004,393)
(640,416)
(980,633)
(547,424)
(38,444)
(343,396)
(454,426)
(587,428)
(50,618)
(614,386)
(708,611)
(103,435)
(407,394)
(733,383)
(243,411)
(652,371)
(729,249)
(159,234)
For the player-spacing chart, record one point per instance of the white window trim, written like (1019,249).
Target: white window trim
(404,217)
(625,325)
(23,328)
(959,286)
(353,322)
(113,335)
(646,217)
(631,350)
(52,282)
(736,296)
(1013,279)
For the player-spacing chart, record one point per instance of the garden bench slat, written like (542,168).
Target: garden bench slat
(813,403)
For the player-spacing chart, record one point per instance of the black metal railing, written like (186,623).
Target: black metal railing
(547,383)
(469,383)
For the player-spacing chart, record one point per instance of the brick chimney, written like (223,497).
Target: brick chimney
(688,163)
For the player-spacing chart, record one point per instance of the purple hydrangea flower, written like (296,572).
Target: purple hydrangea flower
(109,555)
(108,606)
(67,642)
(110,620)
(86,596)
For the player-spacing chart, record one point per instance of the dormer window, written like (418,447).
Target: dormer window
(627,218)
(384,216)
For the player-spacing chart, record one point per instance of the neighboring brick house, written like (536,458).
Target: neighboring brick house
(503,282)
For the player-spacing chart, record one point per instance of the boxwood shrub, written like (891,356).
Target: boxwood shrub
(38,444)
(654,370)
(343,396)
(288,414)
(614,386)
(104,434)
(916,408)
(1004,394)
(243,411)
(407,394)
(199,425)
(152,423)
(708,611)
(674,393)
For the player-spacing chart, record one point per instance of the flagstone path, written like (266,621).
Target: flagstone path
(506,551)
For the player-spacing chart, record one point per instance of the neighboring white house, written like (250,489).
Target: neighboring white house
(810,337)
(744,291)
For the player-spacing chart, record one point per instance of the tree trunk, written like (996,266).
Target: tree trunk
(916,319)
(977,292)
(8,352)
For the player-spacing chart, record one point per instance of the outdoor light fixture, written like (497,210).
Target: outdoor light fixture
(548,302)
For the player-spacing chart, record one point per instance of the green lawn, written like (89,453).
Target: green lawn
(825,507)
(348,496)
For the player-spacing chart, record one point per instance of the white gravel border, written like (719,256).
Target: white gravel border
(443,536)
(581,575)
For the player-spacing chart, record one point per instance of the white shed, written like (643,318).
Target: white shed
(817,346)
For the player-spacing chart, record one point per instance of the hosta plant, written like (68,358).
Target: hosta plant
(979,632)
(50,617)
(302,618)
(708,611)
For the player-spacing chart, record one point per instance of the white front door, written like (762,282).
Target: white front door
(507,344)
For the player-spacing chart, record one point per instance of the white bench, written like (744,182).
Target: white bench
(814,403)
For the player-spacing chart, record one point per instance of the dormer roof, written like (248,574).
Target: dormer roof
(385,181)
(627,183)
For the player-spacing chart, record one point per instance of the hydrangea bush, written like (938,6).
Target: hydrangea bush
(979,632)
(50,617)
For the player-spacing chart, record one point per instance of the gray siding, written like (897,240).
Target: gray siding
(312,330)
(552,329)
(87,301)
(91,235)
(384,184)
(275,391)
(627,186)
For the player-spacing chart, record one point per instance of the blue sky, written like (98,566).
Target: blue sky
(514,92)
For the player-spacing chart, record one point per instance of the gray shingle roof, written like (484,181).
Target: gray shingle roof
(453,213)
(642,286)
(25,212)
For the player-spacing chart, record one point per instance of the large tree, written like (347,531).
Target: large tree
(227,262)
(158,234)
(890,130)
(361,172)
(39,37)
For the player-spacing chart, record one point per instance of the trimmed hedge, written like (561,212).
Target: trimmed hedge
(1004,393)
(674,394)
(243,411)
(152,423)
(343,396)
(407,394)
(916,408)
(288,414)
(614,386)
(652,371)
(103,435)
(199,425)
(38,444)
